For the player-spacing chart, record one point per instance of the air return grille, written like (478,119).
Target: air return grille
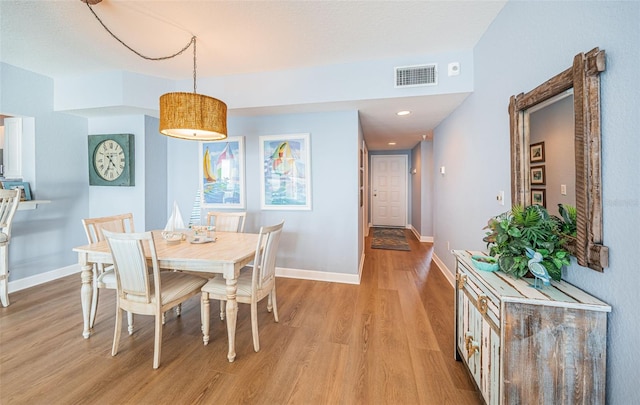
(418,75)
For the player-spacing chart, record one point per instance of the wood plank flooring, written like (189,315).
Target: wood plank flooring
(388,340)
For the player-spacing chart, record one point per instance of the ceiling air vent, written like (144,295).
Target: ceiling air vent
(418,75)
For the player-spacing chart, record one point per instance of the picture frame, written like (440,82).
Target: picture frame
(537,175)
(285,181)
(222,173)
(536,152)
(539,197)
(25,190)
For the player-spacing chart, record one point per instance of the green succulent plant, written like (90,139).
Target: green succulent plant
(510,233)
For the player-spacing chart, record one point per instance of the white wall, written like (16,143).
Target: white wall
(421,215)
(528,43)
(155,175)
(427,196)
(324,239)
(110,200)
(42,239)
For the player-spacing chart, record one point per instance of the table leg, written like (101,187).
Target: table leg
(86,292)
(232,316)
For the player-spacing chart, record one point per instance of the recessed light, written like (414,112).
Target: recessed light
(403,112)
(391,143)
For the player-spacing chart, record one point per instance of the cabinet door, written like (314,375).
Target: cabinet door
(469,334)
(478,343)
(490,364)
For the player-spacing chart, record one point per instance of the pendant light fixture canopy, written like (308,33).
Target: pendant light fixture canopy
(193,116)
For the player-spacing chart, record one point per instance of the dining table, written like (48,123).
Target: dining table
(226,255)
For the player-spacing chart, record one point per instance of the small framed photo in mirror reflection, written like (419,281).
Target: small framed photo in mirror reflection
(537,175)
(538,197)
(536,152)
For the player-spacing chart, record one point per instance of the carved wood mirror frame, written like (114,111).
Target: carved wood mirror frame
(584,78)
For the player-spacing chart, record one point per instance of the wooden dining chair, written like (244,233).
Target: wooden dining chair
(9,200)
(104,277)
(226,222)
(145,291)
(252,285)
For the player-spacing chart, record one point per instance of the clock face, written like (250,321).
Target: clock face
(109,160)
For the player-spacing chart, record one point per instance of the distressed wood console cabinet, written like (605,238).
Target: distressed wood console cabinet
(528,346)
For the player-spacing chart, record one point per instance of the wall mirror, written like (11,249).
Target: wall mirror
(529,178)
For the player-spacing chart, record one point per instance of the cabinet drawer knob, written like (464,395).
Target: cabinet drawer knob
(462,278)
(483,304)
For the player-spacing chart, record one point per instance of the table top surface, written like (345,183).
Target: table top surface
(229,247)
(509,288)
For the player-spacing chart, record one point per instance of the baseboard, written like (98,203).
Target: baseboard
(444,270)
(42,278)
(38,279)
(318,275)
(427,239)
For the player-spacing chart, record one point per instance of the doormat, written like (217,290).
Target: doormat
(389,238)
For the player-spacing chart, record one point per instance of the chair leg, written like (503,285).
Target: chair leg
(178,309)
(272,296)
(222,310)
(130,322)
(4,291)
(157,344)
(4,276)
(94,301)
(116,333)
(204,314)
(254,326)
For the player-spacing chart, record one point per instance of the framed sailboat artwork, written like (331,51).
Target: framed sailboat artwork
(222,173)
(285,182)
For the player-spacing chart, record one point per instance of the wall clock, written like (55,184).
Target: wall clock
(112,160)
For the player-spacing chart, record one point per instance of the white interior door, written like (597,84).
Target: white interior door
(389,190)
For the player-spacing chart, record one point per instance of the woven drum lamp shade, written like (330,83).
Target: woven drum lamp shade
(193,116)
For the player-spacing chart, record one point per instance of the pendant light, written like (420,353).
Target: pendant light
(193,116)
(184,115)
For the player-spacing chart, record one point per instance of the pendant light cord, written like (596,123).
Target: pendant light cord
(191,41)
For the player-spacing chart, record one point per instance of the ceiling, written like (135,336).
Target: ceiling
(62,38)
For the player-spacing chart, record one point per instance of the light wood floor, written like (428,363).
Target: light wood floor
(386,341)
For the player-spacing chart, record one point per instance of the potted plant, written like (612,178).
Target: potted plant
(568,220)
(567,223)
(512,232)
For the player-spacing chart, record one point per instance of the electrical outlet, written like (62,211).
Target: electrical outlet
(500,197)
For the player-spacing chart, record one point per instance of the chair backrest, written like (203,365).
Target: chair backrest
(227,221)
(130,263)
(9,200)
(264,263)
(93,227)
